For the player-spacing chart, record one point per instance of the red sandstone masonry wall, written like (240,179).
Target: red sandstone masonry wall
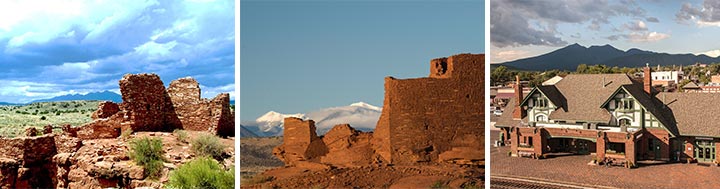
(148,105)
(425,117)
(198,114)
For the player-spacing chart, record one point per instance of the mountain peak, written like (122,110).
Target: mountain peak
(365,105)
(273,116)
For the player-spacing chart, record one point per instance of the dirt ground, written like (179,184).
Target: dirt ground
(262,170)
(574,169)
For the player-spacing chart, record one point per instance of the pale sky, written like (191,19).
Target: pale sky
(521,29)
(51,48)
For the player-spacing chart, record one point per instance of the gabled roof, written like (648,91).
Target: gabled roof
(691,85)
(551,92)
(506,119)
(694,114)
(584,93)
(651,104)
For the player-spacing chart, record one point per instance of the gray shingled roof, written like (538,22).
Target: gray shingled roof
(506,119)
(552,93)
(584,93)
(695,114)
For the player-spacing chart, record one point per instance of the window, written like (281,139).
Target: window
(541,118)
(624,122)
(626,104)
(541,102)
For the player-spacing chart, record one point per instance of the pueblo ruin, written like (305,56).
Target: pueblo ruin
(92,156)
(437,121)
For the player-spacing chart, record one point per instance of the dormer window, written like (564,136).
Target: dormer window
(626,104)
(540,102)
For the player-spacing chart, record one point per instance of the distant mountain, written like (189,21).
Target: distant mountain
(361,116)
(246,133)
(105,95)
(10,104)
(568,58)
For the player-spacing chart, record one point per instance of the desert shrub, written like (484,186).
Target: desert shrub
(42,118)
(438,185)
(203,172)
(181,135)
(472,185)
(208,145)
(126,134)
(254,179)
(148,153)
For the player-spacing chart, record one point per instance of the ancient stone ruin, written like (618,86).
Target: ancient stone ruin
(88,156)
(436,119)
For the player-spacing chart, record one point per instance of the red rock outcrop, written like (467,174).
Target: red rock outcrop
(89,156)
(348,147)
(105,110)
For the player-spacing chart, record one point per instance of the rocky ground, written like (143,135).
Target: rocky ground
(257,158)
(374,176)
(108,158)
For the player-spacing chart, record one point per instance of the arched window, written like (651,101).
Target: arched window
(541,118)
(624,122)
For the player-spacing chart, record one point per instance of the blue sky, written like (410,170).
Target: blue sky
(521,29)
(51,48)
(299,56)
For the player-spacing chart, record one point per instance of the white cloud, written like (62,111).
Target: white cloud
(60,47)
(639,37)
(508,55)
(211,92)
(712,53)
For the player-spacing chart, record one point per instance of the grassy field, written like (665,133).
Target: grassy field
(14,119)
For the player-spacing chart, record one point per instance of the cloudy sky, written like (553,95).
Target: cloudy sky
(526,28)
(300,56)
(51,48)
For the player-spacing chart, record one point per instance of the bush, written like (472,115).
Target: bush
(41,118)
(148,153)
(208,145)
(438,185)
(126,134)
(203,172)
(255,179)
(181,135)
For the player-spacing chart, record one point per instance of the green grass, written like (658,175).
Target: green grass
(14,119)
(181,135)
(208,145)
(148,153)
(203,172)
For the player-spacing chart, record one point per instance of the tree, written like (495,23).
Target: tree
(582,68)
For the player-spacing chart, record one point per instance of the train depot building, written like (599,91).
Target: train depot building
(614,117)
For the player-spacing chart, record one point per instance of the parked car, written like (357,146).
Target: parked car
(498,112)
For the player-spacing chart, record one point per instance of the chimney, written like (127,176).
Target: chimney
(518,113)
(647,81)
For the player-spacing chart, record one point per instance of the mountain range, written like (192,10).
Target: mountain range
(569,57)
(104,95)
(361,116)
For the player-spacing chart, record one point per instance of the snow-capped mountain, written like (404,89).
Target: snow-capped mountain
(272,121)
(360,115)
